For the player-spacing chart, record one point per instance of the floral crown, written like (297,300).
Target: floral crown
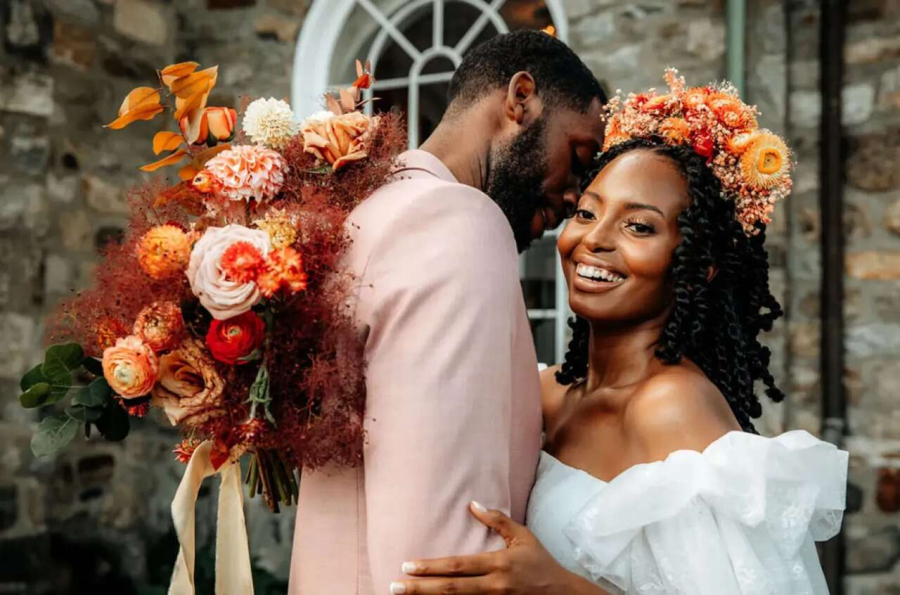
(752,164)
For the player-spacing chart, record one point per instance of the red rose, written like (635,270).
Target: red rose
(231,339)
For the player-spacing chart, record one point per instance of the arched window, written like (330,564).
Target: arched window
(414,46)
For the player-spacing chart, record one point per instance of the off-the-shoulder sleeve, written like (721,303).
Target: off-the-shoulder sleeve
(740,517)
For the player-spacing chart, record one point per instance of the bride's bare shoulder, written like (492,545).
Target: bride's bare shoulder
(678,408)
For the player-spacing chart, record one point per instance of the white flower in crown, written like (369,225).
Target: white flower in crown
(270,122)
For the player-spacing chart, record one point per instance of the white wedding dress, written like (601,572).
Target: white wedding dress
(739,518)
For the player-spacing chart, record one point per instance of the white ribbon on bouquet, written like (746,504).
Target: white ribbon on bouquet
(233,574)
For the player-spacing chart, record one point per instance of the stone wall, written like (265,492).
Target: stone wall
(97,517)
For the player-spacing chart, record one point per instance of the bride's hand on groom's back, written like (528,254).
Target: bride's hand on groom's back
(523,568)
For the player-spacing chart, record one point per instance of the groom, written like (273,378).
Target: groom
(453,402)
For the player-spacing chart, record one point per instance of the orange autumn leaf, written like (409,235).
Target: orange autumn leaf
(197,163)
(175,71)
(182,194)
(170,160)
(186,105)
(194,125)
(166,141)
(141,104)
(348,99)
(193,83)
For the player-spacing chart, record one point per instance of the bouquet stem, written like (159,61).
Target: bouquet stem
(272,476)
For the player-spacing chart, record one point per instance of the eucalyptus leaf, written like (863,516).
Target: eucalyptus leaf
(96,394)
(93,365)
(32,377)
(71,354)
(84,414)
(56,371)
(114,423)
(53,434)
(37,395)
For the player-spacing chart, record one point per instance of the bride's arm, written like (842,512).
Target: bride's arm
(523,568)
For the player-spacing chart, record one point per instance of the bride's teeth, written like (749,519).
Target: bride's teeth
(596,273)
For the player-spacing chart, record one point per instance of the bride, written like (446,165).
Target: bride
(653,479)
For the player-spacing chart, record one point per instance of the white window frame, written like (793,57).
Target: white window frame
(318,42)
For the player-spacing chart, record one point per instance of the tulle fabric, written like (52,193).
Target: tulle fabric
(741,517)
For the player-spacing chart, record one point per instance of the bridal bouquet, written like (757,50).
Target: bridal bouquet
(224,307)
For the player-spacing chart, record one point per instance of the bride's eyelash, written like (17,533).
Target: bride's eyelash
(640,225)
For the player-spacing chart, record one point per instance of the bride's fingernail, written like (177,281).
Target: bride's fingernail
(398,588)
(479,506)
(409,567)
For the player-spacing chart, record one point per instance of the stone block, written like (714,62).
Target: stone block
(58,275)
(872,49)
(27,28)
(858,103)
(872,161)
(889,90)
(104,196)
(873,265)
(26,93)
(19,338)
(295,7)
(596,29)
(280,28)
(76,232)
(142,21)
(872,340)
(706,39)
(83,11)
(875,552)
(73,45)
(804,340)
(892,218)
(23,205)
(806,108)
(63,189)
(30,151)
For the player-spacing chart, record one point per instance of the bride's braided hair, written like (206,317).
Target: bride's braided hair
(713,323)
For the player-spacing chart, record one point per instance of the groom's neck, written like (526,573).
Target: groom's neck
(463,143)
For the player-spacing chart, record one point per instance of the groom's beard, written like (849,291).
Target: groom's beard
(516,177)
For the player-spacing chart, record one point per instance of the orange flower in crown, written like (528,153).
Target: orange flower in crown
(753,165)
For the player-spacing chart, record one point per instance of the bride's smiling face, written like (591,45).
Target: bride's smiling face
(617,250)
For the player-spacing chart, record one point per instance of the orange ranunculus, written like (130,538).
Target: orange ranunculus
(130,367)
(159,325)
(338,140)
(189,388)
(231,341)
(766,161)
(164,251)
(675,130)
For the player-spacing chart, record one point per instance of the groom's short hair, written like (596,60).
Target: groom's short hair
(561,77)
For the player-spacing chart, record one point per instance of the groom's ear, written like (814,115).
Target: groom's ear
(521,98)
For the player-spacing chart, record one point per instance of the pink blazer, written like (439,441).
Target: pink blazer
(453,396)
